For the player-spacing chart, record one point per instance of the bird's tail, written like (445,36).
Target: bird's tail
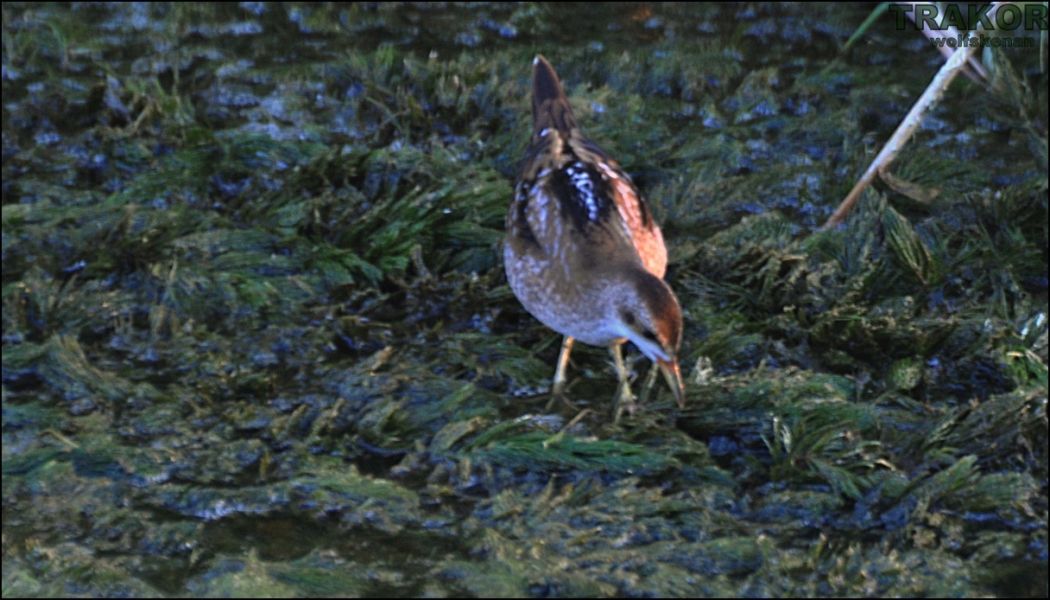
(550,107)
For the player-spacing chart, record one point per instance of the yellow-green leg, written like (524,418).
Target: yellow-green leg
(560,380)
(624,397)
(650,380)
(558,387)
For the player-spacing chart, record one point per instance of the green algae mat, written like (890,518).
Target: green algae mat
(257,339)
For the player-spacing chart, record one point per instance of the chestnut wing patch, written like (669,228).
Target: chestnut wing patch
(633,208)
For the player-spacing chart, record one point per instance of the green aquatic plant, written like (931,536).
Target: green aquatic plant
(257,336)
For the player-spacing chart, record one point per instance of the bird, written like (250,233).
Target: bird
(582,251)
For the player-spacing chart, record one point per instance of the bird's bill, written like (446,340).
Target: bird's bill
(673,376)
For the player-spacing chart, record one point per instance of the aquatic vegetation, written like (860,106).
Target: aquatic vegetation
(257,338)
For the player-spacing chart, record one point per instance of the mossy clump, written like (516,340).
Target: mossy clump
(257,339)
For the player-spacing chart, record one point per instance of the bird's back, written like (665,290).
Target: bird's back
(572,201)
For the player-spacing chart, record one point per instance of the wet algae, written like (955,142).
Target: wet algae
(257,339)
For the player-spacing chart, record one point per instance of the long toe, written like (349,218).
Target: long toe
(559,395)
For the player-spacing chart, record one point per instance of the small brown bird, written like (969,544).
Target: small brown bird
(583,253)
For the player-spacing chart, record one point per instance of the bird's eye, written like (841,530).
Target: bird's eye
(628,317)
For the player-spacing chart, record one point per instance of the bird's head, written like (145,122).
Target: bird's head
(647,313)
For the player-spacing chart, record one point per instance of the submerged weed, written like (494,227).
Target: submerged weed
(257,339)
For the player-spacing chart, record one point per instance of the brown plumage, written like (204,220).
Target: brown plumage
(583,253)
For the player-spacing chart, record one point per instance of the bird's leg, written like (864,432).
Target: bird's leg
(624,397)
(558,385)
(650,379)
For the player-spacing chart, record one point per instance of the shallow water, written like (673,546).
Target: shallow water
(257,339)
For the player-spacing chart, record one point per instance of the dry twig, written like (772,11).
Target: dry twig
(911,122)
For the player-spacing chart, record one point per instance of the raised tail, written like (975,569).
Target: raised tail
(550,107)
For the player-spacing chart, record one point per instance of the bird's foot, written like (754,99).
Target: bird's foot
(559,394)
